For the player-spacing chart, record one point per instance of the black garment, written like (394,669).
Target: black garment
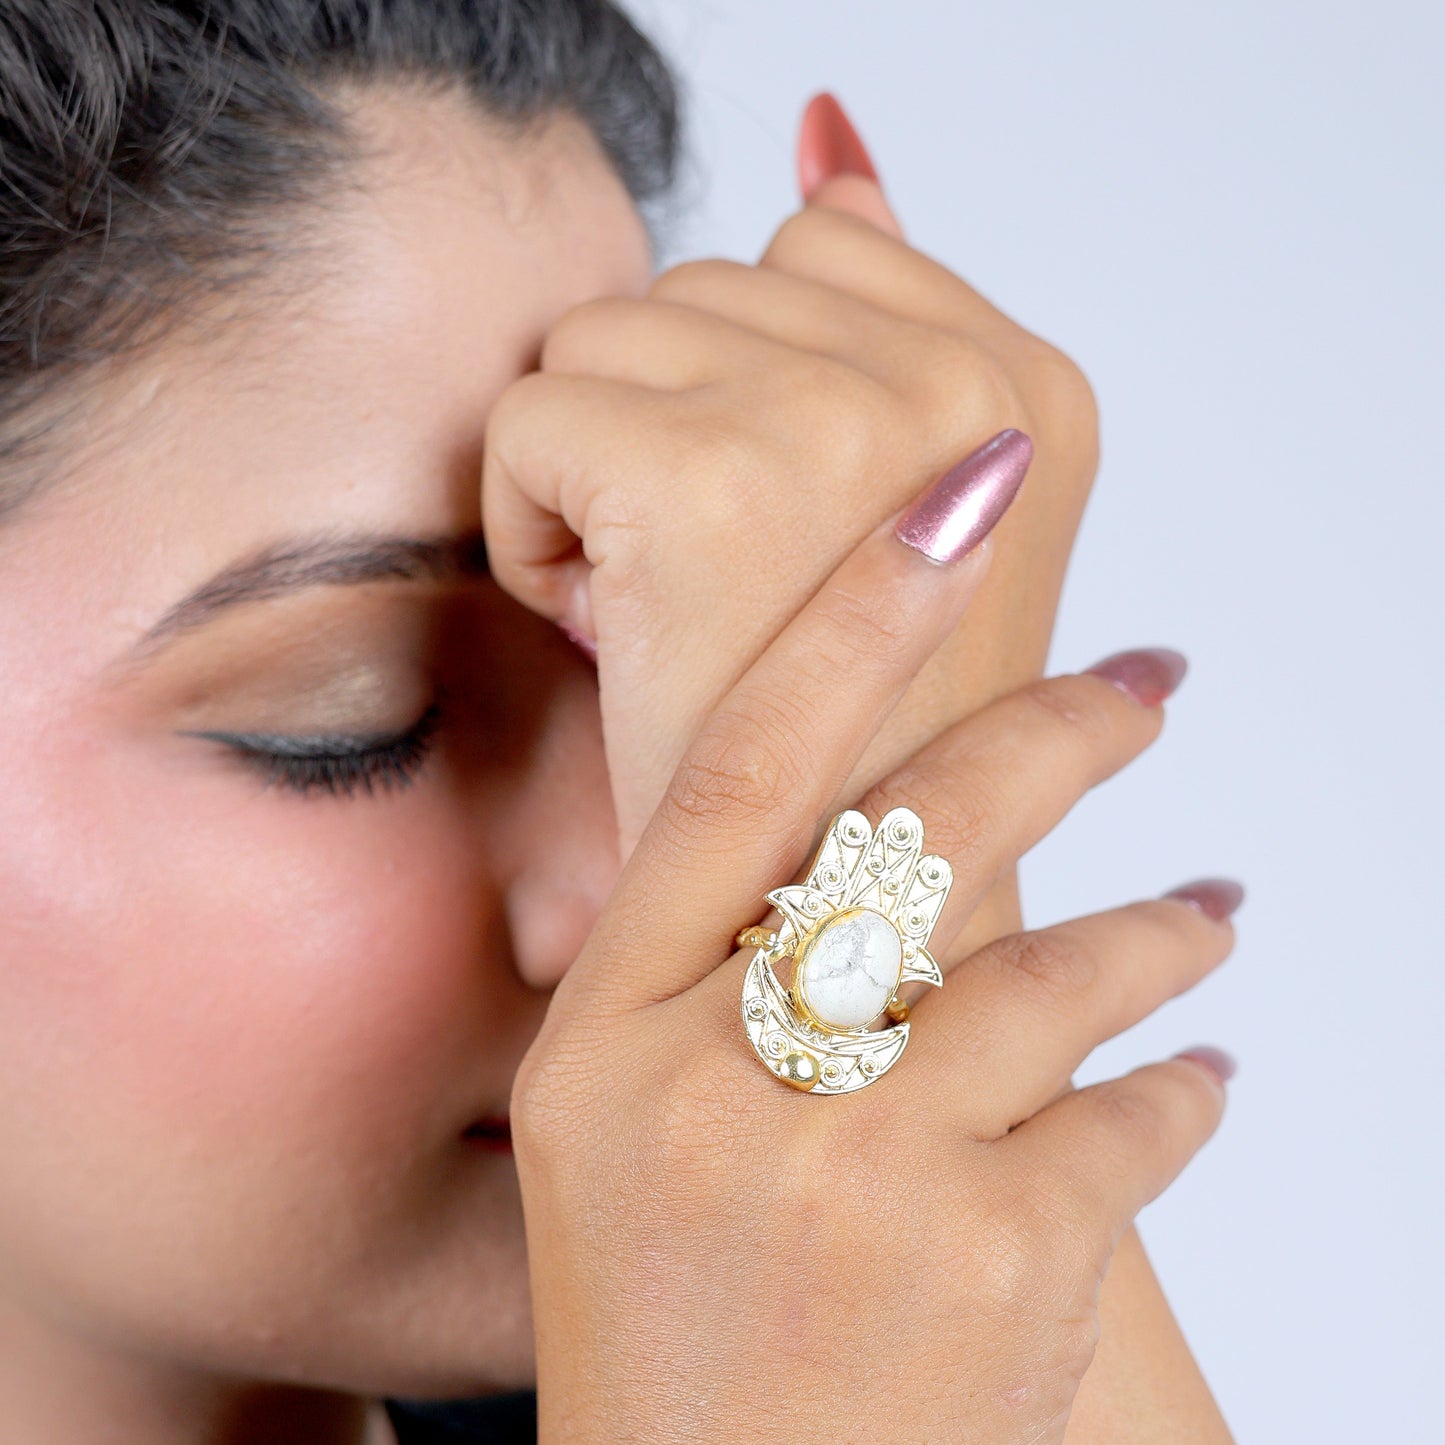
(498,1420)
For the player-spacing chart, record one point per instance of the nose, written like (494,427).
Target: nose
(559,859)
(550,914)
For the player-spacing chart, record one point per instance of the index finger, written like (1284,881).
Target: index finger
(771,759)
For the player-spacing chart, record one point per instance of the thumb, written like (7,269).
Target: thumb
(835,169)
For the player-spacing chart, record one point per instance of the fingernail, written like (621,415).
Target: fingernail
(964,505)
(1147,674)
(582,643)
(1214,897)
(828,146)
(1220,1064)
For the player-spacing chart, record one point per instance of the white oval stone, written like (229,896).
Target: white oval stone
(850,968)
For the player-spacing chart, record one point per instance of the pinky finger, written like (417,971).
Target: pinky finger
(1106,1151)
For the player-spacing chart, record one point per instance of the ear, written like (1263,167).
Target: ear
(835,169)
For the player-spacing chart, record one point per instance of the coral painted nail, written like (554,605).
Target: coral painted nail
(1219,1063)
(964,505)
(828,146)
(1146,674)
(1216,898)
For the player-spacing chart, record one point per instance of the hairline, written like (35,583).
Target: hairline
(282,260)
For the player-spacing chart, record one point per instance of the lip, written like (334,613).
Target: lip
(493,1133)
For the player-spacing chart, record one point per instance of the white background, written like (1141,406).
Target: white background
(1231,215)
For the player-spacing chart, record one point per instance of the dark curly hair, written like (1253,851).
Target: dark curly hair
(157,151)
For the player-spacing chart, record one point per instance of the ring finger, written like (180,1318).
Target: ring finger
(1024,1012)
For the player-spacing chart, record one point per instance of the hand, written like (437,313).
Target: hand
(714,1255)
(685,469)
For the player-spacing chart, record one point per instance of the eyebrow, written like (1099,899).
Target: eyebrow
(328,561)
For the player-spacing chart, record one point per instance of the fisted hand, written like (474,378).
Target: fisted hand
(685,469)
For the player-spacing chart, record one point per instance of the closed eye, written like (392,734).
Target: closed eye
(335,764)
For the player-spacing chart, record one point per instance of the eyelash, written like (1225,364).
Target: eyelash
(337,765)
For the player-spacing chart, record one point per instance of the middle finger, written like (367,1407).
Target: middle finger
(990,787)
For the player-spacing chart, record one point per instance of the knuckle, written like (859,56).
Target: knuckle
(1072,1242)
(683,1145)
(687,1119)
(1075,708)
(1133,1119)
(971,374)
(955,800)
(1066,1219)
(515,404)
(850,420)
(1007,1263)
(1060,390)
(959,390)
(850,626)
(837,389)
(576,333)
(1056,965)
(803,231)
(739,773)
(1080,1333)
(707,445)
(1039,1243)
(694,281)
(850,417)
(547,1086)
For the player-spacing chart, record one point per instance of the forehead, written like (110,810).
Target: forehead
(477,233)
(419,291)
(455,249)
(354,395)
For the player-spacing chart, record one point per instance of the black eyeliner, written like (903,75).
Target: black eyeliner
(336,763)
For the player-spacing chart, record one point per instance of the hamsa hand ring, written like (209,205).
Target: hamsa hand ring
(855,931)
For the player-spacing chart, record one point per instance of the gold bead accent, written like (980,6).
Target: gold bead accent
(800,1070)
(897,1010)
(763,938)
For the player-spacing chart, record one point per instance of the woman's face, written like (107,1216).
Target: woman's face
(249,1005)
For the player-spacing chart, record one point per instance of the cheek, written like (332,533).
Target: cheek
(220,966)
(192,962)
(242,1031)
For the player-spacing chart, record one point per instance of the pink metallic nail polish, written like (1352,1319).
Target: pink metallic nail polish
(964,505)
(1219,1063)
(1147,674)
(1216,898)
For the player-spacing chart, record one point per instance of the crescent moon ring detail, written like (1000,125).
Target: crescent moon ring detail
(855,930)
